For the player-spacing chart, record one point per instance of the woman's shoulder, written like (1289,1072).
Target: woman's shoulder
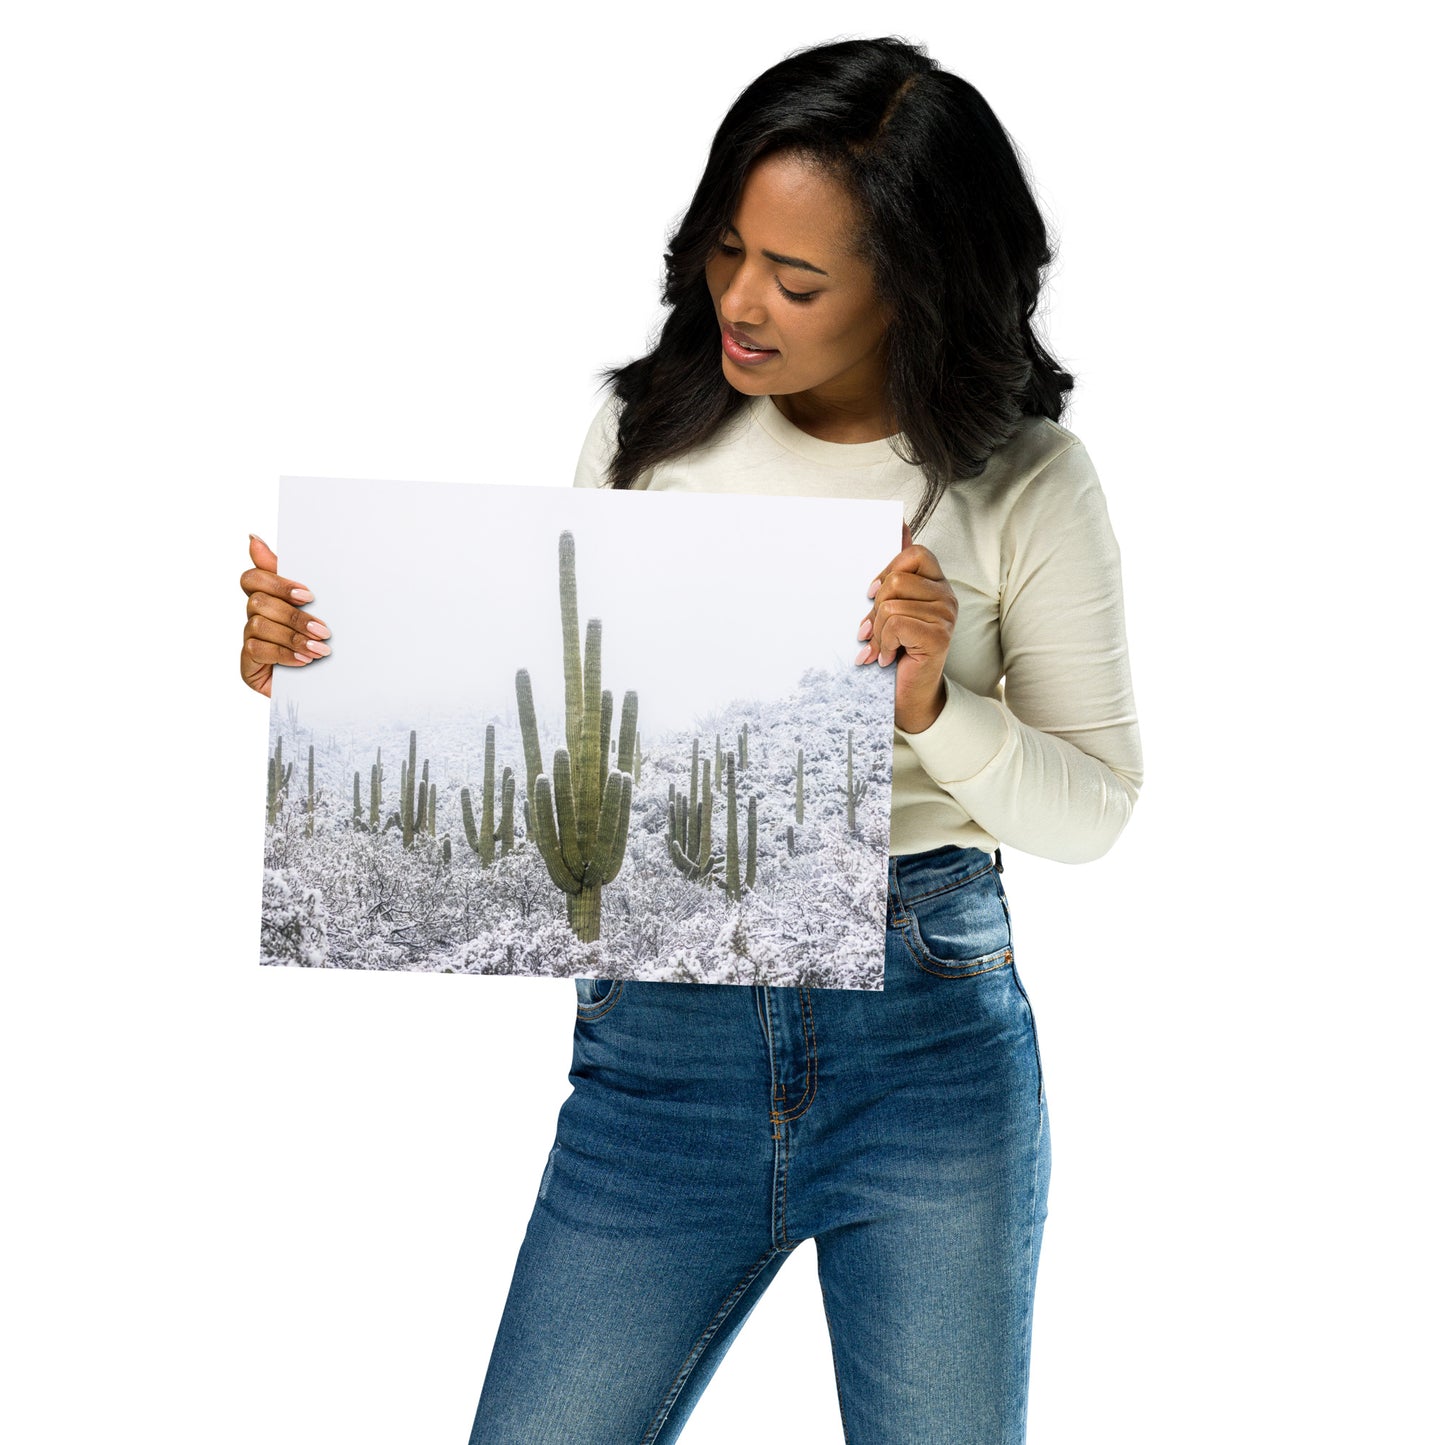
(1037,481)
(1042,465)
(1035,449)
(599,444)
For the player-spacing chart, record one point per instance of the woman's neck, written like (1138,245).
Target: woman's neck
(838,420)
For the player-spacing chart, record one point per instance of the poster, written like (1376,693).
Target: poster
(577,733)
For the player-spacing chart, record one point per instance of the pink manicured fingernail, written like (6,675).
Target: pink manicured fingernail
(303,657)
(318,629)
(320,649)
(866,628)
(873,590)
(302,595)
(862,655)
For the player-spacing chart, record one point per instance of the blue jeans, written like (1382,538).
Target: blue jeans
(711,1129)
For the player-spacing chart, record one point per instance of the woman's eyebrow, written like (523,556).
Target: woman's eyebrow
(795,261)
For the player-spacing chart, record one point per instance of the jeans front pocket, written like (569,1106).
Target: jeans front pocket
(961,928)
(596,996)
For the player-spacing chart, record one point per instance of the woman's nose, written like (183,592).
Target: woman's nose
(741,302)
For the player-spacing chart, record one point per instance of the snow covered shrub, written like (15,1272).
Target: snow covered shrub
(293,921)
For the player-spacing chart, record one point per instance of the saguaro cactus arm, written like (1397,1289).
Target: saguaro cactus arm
(547,841)
(508,829)
(531,747)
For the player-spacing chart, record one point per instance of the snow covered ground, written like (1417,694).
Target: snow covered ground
(345,897)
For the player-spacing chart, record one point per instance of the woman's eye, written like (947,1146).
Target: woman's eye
(723,249)
(796,295)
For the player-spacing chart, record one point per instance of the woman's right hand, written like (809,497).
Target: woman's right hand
(277,630)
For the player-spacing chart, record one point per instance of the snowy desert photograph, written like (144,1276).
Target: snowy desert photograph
(565,734)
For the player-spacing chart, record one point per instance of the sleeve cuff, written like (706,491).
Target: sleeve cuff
(963,739)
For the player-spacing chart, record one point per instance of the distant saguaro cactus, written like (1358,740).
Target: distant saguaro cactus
(417,810)
(374,818)
(798,806)
(689,825)
(581,813)
(310,790)
(278,779)
(853,791)
(743,747)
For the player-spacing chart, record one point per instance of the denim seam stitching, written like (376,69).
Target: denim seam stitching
(810,1087)
(688,1365)
(837,1373)
(1034,1034)
(589,1011)
(1022,1345)
(947,887)
(780,1162)
(782,1211)
(965,969)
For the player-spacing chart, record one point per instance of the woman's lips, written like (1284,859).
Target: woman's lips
(741,350)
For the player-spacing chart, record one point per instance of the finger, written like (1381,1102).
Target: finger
(256,675)
(260,650)
(283,636)
(912,558)
(908,593)
(907,537)
(288,615)
(263,576)
(922,633)
(257,579)
(910,584)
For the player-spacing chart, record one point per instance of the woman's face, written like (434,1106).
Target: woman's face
(784,279)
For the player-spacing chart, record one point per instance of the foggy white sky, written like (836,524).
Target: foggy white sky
(436,593)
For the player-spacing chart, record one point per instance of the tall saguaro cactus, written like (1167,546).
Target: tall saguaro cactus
(488,841)
(580,813)
(798,806)
(737,883)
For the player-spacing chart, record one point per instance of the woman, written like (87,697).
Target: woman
(849,298)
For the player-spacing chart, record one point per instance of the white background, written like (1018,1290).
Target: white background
(255,1205)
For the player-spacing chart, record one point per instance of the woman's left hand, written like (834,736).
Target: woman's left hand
(914,610)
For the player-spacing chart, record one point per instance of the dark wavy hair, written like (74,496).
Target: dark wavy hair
(950,228)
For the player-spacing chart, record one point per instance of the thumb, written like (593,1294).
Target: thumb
(907,536)
(262,555)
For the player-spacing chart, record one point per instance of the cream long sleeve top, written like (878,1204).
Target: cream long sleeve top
(1037,746)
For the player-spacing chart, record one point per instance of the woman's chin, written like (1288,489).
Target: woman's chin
(745,381)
